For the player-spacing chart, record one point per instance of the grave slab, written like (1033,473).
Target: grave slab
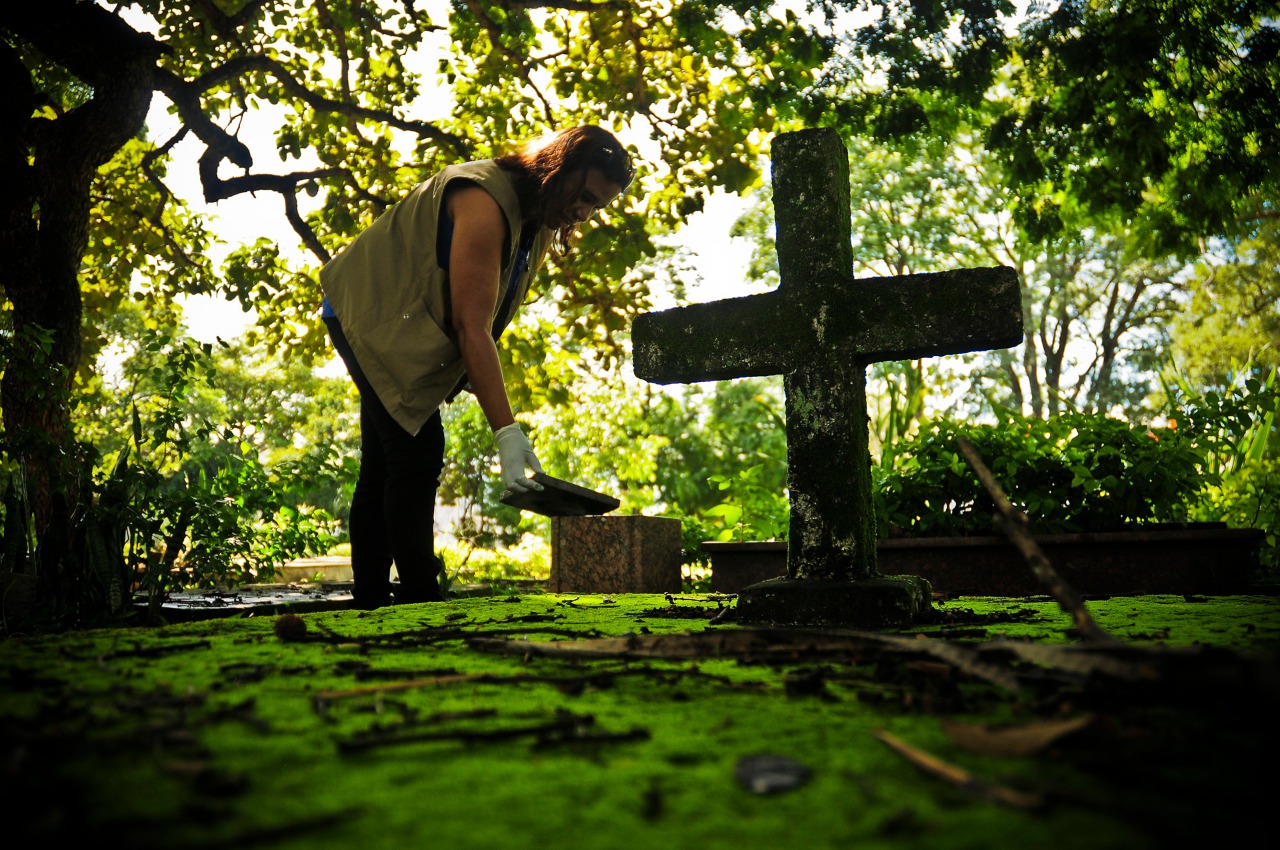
(1208,560)
(615,554)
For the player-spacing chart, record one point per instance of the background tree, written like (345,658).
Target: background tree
(1233,317)
(1096,318)
(1162,114)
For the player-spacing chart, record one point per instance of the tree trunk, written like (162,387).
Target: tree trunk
(51,162)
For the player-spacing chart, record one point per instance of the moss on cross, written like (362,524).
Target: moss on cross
(820,329)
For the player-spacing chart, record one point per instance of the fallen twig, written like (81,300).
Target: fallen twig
(565,683)
(554,727)
(760,645)
(564,728)
(1017,527)
(432,682)
(1077,661)
(958,776)
(440,634)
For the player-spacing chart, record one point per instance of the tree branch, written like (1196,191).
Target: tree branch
(1016,525)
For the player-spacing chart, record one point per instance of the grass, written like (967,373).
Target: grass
(419,725)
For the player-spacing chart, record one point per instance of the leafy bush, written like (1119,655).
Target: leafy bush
(1236,426)
(751,509)
(189,503)
(1214,462)
(468,564)
(1074,473)
(1248,499)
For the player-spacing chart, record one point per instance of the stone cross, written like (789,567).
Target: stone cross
(820,329)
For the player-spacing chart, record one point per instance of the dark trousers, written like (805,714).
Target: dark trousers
(393,508)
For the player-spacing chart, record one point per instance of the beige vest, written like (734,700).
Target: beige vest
(392,298)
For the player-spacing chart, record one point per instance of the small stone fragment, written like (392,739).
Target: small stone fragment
(290,628)
(767,774)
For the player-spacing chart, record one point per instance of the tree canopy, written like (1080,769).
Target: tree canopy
(1163,115)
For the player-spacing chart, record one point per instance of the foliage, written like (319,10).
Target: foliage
(468,564)
(193,504)
(1162,113)
(171,500)
(750,510)
(1164,110)
(1072,473)
(1249,498)
(714,430)
(693,533)
(285,411)
(1215,461)
(469,481)
(1233,314)
(142,248)
(1239,427)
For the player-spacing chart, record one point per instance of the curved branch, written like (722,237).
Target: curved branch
(245,64)
(287,186)
(303,229)
(221,145)
(148,162)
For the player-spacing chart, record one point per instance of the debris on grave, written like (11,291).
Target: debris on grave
(675,612)
(1015,524)
(290,628)
(770,774)
(960,777)
(1014,740)
(561,728)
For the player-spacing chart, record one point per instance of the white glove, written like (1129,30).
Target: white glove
(515,453)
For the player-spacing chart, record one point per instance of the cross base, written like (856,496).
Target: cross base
(885,601)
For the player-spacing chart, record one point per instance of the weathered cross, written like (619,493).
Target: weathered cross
(820,329)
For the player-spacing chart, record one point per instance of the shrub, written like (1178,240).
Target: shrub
(1073,473)
(465,563)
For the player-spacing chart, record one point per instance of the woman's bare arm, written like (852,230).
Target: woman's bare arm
(475,263)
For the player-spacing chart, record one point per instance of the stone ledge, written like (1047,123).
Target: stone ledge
(882,602)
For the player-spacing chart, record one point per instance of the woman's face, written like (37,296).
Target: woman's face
(580,197)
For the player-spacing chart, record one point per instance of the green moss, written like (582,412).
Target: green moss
(219,733)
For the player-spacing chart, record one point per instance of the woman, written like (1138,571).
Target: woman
(414,306)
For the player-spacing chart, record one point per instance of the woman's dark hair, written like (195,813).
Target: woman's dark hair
(544,169)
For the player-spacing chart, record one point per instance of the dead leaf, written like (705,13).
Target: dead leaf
(1023,739)
(960,777)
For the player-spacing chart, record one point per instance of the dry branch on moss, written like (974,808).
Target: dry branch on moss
(1015,524)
